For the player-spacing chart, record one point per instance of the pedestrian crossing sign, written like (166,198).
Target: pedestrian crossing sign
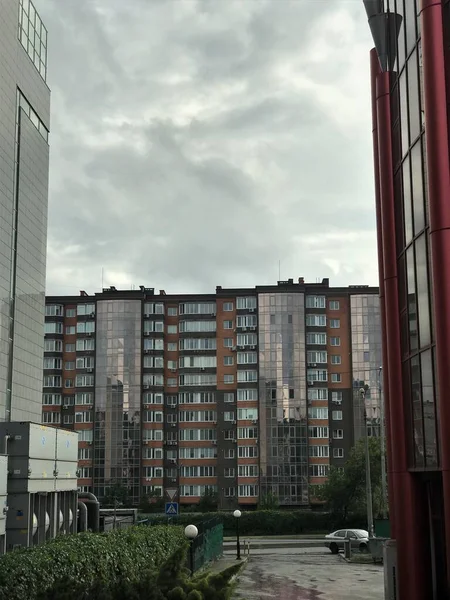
(171,509)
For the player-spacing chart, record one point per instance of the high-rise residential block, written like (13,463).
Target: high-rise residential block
(24,161)
(245,391)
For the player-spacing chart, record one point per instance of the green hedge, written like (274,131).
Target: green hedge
(86,561)
(268,522)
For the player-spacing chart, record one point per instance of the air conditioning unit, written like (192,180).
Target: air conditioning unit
(254,421)
(251,310)
(173,480)
(173,424)
(252,347)
(214,442)
(146,332)
(89,334)
(173,370)
(244,329)
(233,422)
(65,407)
(252,328)
(90,370)
(173,461)
(93,315)
(310,382)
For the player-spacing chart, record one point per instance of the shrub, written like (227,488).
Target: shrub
(87,564)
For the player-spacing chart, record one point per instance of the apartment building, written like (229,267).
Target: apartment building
(244,391)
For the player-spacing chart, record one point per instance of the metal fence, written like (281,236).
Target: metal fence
(208,545)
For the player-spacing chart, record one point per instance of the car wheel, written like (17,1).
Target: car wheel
(363,548)
(334,549)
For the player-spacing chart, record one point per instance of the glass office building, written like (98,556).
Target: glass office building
(24,159)
(410,72)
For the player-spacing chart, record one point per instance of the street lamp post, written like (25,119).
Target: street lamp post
(237,515)
(362,392)
(191,532)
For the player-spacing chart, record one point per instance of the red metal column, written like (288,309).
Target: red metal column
(410,549)
(375,70)
(438,165)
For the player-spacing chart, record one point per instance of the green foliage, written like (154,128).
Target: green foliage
(117,495)
(345,492)
(208,501)
(271,522)
(88,565)
(268,502)
(152,503)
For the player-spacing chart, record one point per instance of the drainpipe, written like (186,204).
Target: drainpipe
(83,516)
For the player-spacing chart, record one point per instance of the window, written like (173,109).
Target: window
(366,356)
(229,453)
(248,302)
(247,491)
(316,320)
(52,381)
(336,397)
(153,344)
(202,471)
(228,342)
(335,341)
(248,451)
(172,329)
(153,327)
(246,321)
(198,344)
(86,327)
(70,313)
(335,359)
(152,435)
(336,415)
(316,357)
(318,470)
(86,309)
(171,382)
(229,416)
(84,380)
(68,383)
(247,339)
(84,398)
(338,434)
(198,362)
(85,362)
(68,400)
(69,348)
(228,397)
(247,376)
(153,472)
(246,414)
(228,379)
(84,416)
(198,308)
(70,330)
(228,324)
(172,311)
(315,302)
(156,362)
(248,471)
(151,308)
(197,326)
(247,394)
(229,492)
(151,416)
(85,345)
(336,378)
(317,375)
(338,452)
(85,435)
(53,346)
(228,361)
(53,328)
(318,413)
(335,323)
(206,379)
(318,394)
(318,432)
(247,358)
(227,306)
(153,398)
(51,399)
(188,491)
(247,433)
(69,365)
(229,434)
(52,363)
(172,347)
(54,310)
(196,397)
(171,364)
(316,339)
(195,453)
(198,416)
(152,380)
(171,400)
(84,453)
(197,435)
(319,451)
(334,304)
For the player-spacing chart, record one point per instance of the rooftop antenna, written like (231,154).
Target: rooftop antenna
(102,279)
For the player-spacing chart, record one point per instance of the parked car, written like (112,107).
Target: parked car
(359,539)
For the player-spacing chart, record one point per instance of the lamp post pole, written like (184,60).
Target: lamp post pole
(191,532)
(237,516)
(362,392)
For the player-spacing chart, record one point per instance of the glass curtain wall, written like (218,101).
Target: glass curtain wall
(117,398)
(282,393)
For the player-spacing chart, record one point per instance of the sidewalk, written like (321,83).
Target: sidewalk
(225,562)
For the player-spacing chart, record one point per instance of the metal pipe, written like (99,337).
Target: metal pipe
(362,392)
(383,449)
(83,516)
(5,440)
(94,513)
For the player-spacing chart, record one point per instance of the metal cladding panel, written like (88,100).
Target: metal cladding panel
(66,446)
(3,476)
(30,439)
(18,514)
(66,479)
(30,475)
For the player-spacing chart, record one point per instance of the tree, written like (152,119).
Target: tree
(209,501)
(116,494)
(268,502)
(152,502)
(345,491)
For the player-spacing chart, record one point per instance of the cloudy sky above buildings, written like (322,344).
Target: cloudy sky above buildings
(197,143)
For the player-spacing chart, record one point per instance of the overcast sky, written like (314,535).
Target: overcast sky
(197,143)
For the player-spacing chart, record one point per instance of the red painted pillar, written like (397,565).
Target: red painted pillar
(410,549)
(375,70)
(438,165)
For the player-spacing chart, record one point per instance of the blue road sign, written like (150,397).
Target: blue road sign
(171,509)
